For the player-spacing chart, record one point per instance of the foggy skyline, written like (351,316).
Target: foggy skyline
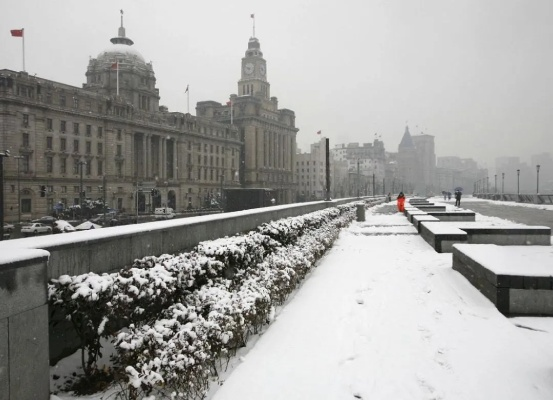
(473,74)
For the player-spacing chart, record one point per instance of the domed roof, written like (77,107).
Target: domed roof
(120,51)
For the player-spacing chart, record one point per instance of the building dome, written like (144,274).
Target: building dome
(122,53)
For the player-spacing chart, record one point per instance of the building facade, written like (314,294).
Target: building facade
(112,140)
(268,133)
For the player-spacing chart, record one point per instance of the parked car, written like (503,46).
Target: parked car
(8,228)
(35,228)
(46,220)
(61,226)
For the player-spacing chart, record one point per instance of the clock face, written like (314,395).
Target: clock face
(248,68)
(262,69)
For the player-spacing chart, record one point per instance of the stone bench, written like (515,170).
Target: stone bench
(410,212)
(429,208)
(447,216)
(518,280)
(418,218)
(443,235)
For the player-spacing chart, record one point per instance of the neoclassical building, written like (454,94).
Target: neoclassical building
(112,138)
(268,133)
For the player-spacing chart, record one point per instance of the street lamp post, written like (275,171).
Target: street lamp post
(503,183)
(5,153)
(221,199)
(538,179)
(18,190)
(358,178)
(374,193)
(81,194)
(495,184)
(518,182)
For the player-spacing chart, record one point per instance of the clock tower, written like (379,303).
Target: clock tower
(253,81)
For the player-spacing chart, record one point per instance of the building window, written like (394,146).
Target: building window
(100,149)
(88,145)
(25,140)
(75,102)
(75,189)
(76,168)
(26,120)
(89,130)
(63,144)
(26,163)
(76,128)
(119,150)
(100,168)
(49,124)
(100,132)
(119,135)
(63,165)
(49,142)
(49,98)
(64,189)
(75,146)
(119,169)
(25,205)
(62,100)
(88,168)
(62,126)
(49,165)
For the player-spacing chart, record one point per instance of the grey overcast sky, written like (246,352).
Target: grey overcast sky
(476,74)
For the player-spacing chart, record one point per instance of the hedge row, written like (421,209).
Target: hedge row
(185,315)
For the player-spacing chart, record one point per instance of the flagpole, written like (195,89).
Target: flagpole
(187,91)
(253,17)
(231,113)
(23,30)
(117,68)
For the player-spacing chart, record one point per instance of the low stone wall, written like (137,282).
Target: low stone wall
(24,367)
(27,264)
(109,249)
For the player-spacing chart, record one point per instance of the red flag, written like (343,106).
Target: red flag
(115,65)
(252,16)
(17,32)
(228,103)
(319,132)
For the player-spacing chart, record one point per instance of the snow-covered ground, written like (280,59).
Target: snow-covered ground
(384,316)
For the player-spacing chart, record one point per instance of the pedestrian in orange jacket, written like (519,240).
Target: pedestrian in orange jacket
(401,202)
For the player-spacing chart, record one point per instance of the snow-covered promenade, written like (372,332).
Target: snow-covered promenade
(384,317)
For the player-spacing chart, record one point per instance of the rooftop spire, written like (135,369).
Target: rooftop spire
(121,38)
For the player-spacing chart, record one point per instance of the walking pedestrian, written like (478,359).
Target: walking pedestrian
(401,202)
(457,198)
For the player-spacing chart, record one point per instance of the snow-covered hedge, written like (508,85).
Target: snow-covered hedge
(186,314)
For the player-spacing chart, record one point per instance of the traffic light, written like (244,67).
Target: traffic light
(43,191)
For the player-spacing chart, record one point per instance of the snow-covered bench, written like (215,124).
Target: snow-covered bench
(517,279)
(443,235)
(430,207)
(418,218)
(465,215)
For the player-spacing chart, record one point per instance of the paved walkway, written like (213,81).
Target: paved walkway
(386,317)
(521,214)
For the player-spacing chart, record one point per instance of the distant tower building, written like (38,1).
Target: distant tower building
(408,166)
(417,163)
(424,144)
(268,133)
